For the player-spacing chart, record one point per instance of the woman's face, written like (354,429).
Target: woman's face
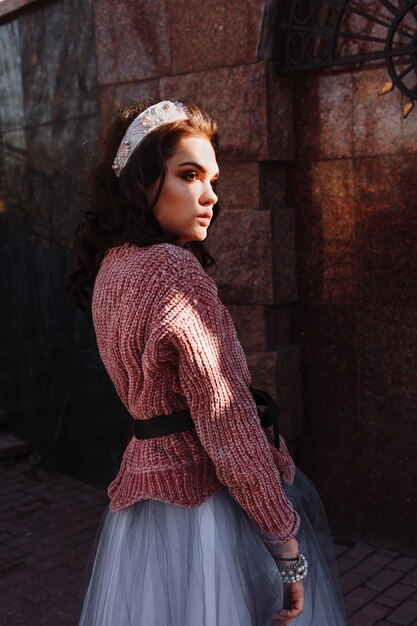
(188,192)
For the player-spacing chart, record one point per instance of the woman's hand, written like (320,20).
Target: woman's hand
(296,605)
(295,591)
(295,595)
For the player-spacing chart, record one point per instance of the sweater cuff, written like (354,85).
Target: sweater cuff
(272,540)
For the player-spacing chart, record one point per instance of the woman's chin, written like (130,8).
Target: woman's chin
(197,236)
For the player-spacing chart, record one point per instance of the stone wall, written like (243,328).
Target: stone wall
(353,187)
(53,389)
(54,99)
(315,256)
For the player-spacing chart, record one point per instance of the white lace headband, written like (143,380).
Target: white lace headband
(163,112)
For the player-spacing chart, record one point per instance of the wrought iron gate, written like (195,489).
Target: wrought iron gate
(325,33)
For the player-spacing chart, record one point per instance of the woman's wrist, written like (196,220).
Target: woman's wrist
(278,548)
(288,550)
(293,571)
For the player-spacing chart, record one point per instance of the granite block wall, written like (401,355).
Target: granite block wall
(318,199)
(353,190)
(53,388)
(65,66)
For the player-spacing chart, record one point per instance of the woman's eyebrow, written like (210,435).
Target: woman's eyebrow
(198,167)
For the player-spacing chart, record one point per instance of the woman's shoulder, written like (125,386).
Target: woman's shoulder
(179,268)
(156,261)
(169,253)
(162,252)
(164,274)
(172,259)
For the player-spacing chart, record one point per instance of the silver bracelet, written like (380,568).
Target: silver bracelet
(294,572)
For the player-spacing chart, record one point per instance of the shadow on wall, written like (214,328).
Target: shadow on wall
(353,188)
(54,390)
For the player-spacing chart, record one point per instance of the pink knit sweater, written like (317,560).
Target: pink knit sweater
(169,343)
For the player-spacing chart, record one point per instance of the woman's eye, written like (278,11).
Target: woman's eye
(191,175)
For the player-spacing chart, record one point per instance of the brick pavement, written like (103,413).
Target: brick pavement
(48,523)
(379,585)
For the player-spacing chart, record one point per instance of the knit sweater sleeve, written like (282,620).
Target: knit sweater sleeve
(215,378)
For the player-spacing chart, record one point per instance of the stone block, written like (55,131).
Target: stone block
(111,98)
(378,125)
(405,614)
(324,195)
(369,614)
(278,325)
(411,578)
(12,110)
(240,241)
(383,579)
(384,182)
(386,259)
(360,551)
(327,275)
(387,345)
(351,580)
(357,598)
(386,601)
(329,451)
(250,325)
(280,115)
(284,255)
(72,388)
(238,185)
(344,564)
(323,115)
(340,549)
(44,166)
(36,87)
(328,336)
(213,33)
(403,564)
(273,184)
(132,40)
(388,552)
(9,6)
(12,447)
(356,229)
(289,393)
(385,230)
(263,369)
(277,372)
(400,592)
(241,110)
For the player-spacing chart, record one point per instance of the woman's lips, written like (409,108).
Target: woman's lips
(204,220)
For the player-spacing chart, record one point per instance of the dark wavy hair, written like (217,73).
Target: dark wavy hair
(118,211)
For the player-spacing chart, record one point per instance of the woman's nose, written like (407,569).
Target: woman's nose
(209,197)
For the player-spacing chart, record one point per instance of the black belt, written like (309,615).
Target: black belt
(181,420)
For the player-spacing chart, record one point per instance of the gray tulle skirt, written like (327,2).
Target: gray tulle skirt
(157,564)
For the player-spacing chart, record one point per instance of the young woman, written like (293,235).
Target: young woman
(209,522)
